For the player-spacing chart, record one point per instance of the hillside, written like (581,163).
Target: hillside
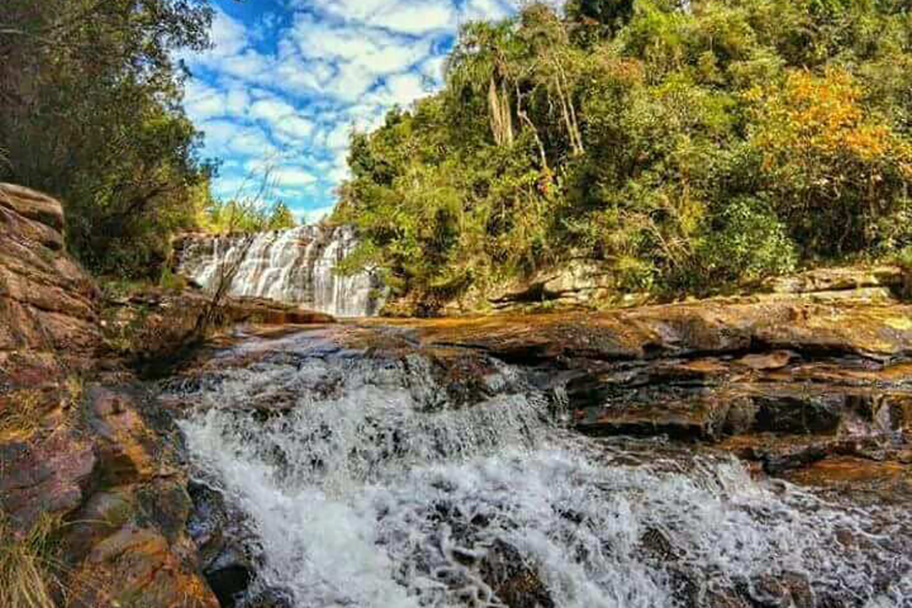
(671,147)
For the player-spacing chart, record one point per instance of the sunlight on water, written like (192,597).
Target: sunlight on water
(367,497)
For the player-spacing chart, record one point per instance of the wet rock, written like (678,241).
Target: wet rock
(222,541)
(514,581)
(888,482)
(678,414)
(122,440)
(712,327)
(798,412)
(269,599)
(137,566)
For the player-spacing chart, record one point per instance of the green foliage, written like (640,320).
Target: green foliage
(281,217)
(234,216)
(172,282)
(685,146)
(90,111)
(748,242)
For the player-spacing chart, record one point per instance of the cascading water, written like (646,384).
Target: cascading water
(376,487)
(295,266)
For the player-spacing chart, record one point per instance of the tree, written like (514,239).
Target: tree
(839,173)
(686,147)
(281,217)
(480,65)
(90,111)
(602,18)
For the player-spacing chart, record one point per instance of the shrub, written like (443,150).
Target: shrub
(748,242)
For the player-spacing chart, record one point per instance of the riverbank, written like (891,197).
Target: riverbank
(808,383)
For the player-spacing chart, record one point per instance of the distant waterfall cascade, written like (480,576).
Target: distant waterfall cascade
(294,266)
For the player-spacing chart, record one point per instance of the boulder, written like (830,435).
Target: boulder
(48,303)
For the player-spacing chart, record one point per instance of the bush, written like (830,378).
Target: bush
(748,242)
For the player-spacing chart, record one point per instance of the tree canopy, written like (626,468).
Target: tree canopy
(681,145)
(90,111)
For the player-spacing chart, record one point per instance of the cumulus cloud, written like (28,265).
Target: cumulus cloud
(290,85)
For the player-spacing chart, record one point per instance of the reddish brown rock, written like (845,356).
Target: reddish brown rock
(52,475)
(122,441)
(47,302)
(138,567)
(87,459)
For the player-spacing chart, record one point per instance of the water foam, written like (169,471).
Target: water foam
(367,497)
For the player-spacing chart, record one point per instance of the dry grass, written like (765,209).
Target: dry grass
(27,578)
(21,418)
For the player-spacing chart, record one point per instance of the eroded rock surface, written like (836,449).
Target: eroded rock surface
(99,463)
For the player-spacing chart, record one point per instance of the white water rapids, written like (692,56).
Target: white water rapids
(294,266)
(374,491)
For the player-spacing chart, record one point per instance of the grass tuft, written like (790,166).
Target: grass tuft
(21,418)
(27,576)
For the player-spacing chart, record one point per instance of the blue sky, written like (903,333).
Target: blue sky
(289,79)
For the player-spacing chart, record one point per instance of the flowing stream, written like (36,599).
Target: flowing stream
(294,266)
(376,487)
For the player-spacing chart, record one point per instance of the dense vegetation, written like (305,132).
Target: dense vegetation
(682,146)
(239,215)
(91,111)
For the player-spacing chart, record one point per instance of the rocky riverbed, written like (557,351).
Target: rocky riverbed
(750,451)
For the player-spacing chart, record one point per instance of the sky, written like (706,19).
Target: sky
(287,81)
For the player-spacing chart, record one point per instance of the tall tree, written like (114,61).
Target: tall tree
(90,110)
(481,65)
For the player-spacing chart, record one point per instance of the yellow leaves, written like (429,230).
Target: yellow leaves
(623,70)
(822,118)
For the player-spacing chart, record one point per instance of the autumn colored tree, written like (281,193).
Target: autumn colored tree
(839,173)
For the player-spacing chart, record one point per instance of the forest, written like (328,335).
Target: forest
(684,146)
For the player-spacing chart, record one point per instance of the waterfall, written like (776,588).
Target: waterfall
(375,489)
(295,266)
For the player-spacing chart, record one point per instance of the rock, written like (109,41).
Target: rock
(32,205)
(784,382)
(574,284)
(710,328)
(223,541)
(647,412)
(137,567)
(121,437)
(47,303)
(98,461)
(51,476)
(766,361)
(515,583)
(836,280)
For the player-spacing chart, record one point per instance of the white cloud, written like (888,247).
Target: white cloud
(228,36)
(293,129)
(271,110)
(313,216)
(287,88)
(417,18)
(292,176)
